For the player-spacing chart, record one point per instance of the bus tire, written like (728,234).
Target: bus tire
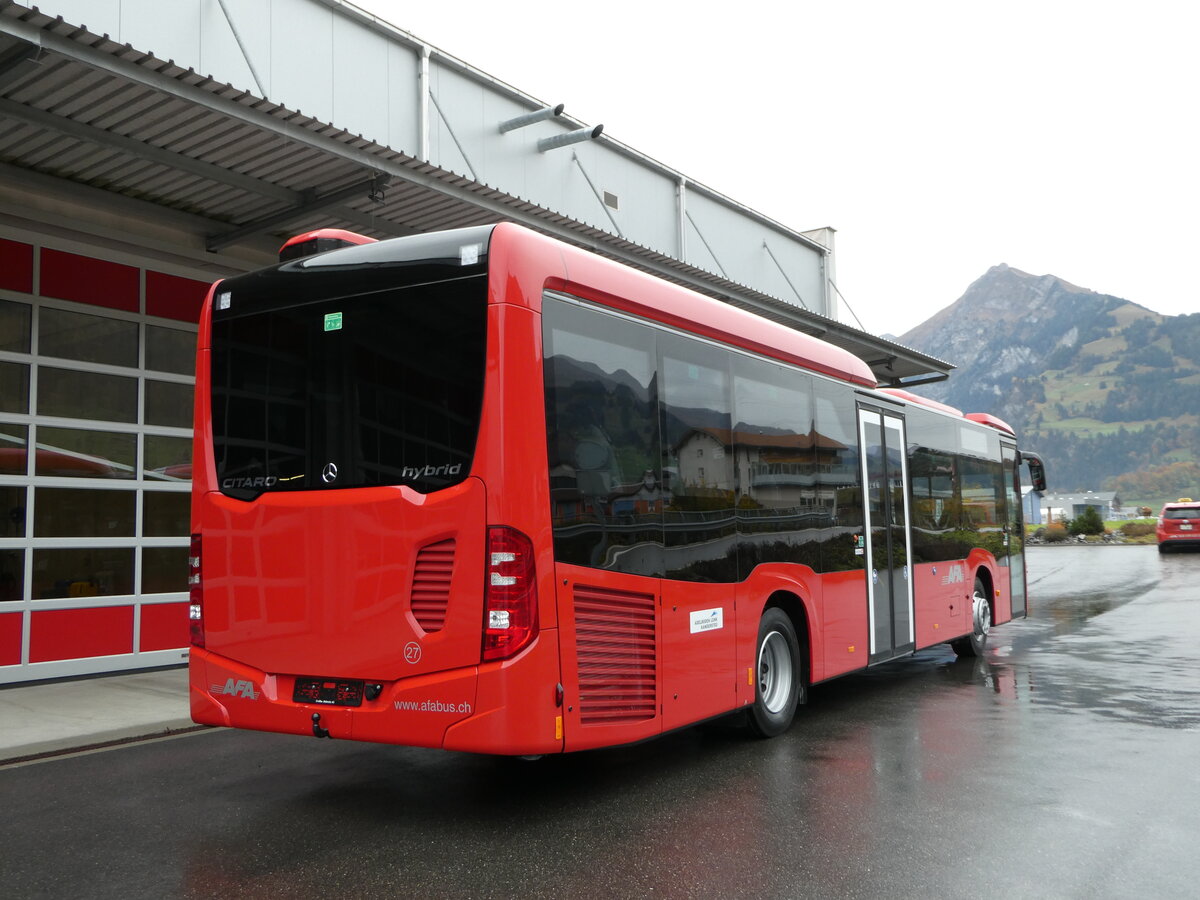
(975,643)
(779,683)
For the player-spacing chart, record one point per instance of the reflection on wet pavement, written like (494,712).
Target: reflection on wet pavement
(1125,636)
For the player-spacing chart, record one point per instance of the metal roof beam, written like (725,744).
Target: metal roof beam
(140,149)
(178,161)
(313,204)
(917,382)
(16,55)
(131,206)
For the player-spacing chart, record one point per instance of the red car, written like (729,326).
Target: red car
(1179,524)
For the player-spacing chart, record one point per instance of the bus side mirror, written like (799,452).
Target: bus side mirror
(1037,470)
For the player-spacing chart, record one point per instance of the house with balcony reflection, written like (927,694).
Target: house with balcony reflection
(769,471)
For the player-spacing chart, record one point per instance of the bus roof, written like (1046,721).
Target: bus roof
(923,401)
(992,422)
(540,262)
(612,284)
(979,418)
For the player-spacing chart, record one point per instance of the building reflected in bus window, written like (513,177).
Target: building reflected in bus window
(700,470)
(838,478)
(983,504)
(936,502)
(752,470)
(603,440)
(780,513)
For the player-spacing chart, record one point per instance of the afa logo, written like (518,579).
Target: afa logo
(956,576)
(241,688)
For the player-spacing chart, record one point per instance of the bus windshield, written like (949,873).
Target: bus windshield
(324,378)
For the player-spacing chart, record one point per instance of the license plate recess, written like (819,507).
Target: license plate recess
(328,691)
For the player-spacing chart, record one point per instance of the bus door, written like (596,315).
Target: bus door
(886,533)
(1014,529)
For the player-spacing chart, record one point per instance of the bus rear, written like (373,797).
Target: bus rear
(347,579)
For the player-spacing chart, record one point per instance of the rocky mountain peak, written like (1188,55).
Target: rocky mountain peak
(1067,365)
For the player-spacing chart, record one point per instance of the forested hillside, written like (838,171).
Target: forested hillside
(1108,391)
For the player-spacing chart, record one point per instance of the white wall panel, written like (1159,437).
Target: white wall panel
(174,36)
(646,211)
(577,196)
(506,157)
(100,16)
(460,121)
(737,241)
(469,133)
(360,80)
(221,55)
(302,59)
(401,99)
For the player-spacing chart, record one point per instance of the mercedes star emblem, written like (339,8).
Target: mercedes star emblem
(329,473)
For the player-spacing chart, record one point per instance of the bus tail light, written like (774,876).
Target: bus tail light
(195,594)
(510,614)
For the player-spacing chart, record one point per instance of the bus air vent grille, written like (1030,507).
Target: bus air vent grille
(431,585)
(617,657)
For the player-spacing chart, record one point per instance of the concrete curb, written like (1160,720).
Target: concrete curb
(65,747)
(52,718)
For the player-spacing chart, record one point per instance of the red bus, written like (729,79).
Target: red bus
(485,491)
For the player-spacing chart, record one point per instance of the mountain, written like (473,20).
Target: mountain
(1107,390)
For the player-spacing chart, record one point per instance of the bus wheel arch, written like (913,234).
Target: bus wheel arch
(781,665)
(983,615)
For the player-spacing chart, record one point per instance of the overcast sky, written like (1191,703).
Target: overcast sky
(938,138)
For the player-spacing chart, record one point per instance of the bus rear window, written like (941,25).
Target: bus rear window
(379,384)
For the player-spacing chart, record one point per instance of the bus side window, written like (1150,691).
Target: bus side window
(602,439)
(700,467)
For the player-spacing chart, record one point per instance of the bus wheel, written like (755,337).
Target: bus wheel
(981,618)
(779,682)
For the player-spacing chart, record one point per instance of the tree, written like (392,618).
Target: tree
(1087,522)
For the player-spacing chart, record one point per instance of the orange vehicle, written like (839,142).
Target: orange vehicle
(1178,525)
(486,491)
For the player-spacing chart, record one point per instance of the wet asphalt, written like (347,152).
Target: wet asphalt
(1065,764)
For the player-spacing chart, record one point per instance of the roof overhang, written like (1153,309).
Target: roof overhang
(111,121)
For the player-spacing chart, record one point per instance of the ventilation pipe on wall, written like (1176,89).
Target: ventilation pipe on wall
(540,115)
(570,137)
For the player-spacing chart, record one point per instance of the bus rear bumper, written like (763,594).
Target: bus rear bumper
(414,711)
(506,708)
